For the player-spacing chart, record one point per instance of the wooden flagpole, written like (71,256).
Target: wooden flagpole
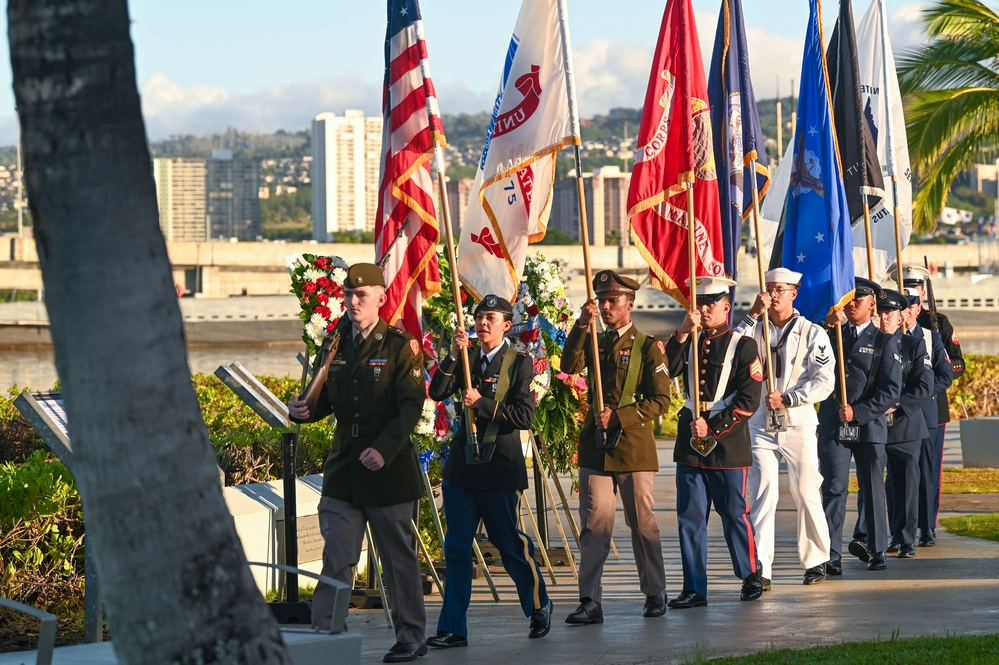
(771,383)
(695,392)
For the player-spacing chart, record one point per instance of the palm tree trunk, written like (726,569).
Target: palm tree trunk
(174,578)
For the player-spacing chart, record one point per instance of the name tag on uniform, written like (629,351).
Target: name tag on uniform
(625,356)
(867,349)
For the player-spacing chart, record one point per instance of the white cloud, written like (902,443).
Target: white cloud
(905,27)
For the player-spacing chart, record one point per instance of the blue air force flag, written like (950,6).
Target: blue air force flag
(817,235)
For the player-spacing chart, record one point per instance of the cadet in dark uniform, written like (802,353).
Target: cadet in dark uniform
(636,387)
(730,387)
(943,376)
(906,427)
(915,277)
(376,391)
(873,367)
(488,487)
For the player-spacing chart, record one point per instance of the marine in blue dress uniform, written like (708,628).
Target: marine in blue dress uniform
(485,483)
(873,368)
(730,386)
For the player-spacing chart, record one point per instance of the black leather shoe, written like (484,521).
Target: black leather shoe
(766,584)
(589,611)
(926,539)
(541,621)
(858,548)
(404,652)
(655,606)
(815,574)
(752,587)
(892,547)
(445,640)
(877,561)
(906,551)
(687,599)
(835,564)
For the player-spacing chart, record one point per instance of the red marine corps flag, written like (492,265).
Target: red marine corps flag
(411,121)
(675,148)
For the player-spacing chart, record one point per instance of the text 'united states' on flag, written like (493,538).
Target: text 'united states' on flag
(512,192)
(411,123)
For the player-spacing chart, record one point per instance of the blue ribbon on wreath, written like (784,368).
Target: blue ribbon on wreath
(549,329)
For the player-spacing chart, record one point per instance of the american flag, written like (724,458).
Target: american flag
(411,124)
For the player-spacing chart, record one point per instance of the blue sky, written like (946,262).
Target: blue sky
(204,65)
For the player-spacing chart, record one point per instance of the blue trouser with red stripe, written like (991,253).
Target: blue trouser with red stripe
(696,490)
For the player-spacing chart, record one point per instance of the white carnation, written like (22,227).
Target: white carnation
(338,275)
(312,274)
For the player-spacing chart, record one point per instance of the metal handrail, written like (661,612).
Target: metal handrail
(46,631)
(341,598)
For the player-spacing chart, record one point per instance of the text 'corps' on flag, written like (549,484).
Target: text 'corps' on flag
(411,122)
(675,148)
(512,191)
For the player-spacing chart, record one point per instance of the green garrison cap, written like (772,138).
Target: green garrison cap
(364,274)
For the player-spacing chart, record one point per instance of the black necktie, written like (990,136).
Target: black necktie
(852,337)
(485,365)
(358,340)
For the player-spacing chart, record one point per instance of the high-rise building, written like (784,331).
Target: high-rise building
(606,193)
(458,193)
(180,193)
(346,155)
(233,206)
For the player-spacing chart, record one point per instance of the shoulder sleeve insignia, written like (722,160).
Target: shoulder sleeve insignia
(662,348)
(415,346)
(756,369)
(416,372)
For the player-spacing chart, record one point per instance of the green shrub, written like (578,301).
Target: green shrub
(41,534)
(977,387)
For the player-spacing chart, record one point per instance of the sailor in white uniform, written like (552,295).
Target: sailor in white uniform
(804,375)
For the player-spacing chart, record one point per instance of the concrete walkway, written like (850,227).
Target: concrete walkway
(953,587)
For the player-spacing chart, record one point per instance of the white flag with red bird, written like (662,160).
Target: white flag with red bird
(512,193)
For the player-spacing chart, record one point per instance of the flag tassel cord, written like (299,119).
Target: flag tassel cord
(455,286)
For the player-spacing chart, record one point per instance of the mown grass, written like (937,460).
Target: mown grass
(975,526)
(963,481)
(949,650)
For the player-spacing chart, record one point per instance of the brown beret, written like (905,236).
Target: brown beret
(606,282)
(364,274)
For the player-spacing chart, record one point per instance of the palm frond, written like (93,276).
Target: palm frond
(950,63)
(938,118)
(951,18)
(936,181)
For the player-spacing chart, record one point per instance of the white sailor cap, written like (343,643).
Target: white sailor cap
(783,276)
(912,275)
(711,289)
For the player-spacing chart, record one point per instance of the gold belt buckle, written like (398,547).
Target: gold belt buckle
(353,431)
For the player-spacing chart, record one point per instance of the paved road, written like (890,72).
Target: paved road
(953,587)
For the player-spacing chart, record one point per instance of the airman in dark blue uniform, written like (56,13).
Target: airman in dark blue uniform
(873,367)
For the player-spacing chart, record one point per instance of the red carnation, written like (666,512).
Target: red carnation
(309,287)
(533,310)
(565,317)
(337,290)
(324,282)
(321,262)
(529,336)
(540,365)
(323,298)
(464,297)
(305,300)
(324,312)
(441,424)
(331,326)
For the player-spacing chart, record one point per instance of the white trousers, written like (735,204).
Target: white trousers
(798,446)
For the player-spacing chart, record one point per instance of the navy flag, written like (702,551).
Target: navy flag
(857,147)
(735,125)
(817,238)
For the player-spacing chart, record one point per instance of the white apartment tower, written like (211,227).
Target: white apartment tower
(346,153)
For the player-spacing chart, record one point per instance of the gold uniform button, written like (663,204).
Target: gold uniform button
(702,382)
(704,371)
